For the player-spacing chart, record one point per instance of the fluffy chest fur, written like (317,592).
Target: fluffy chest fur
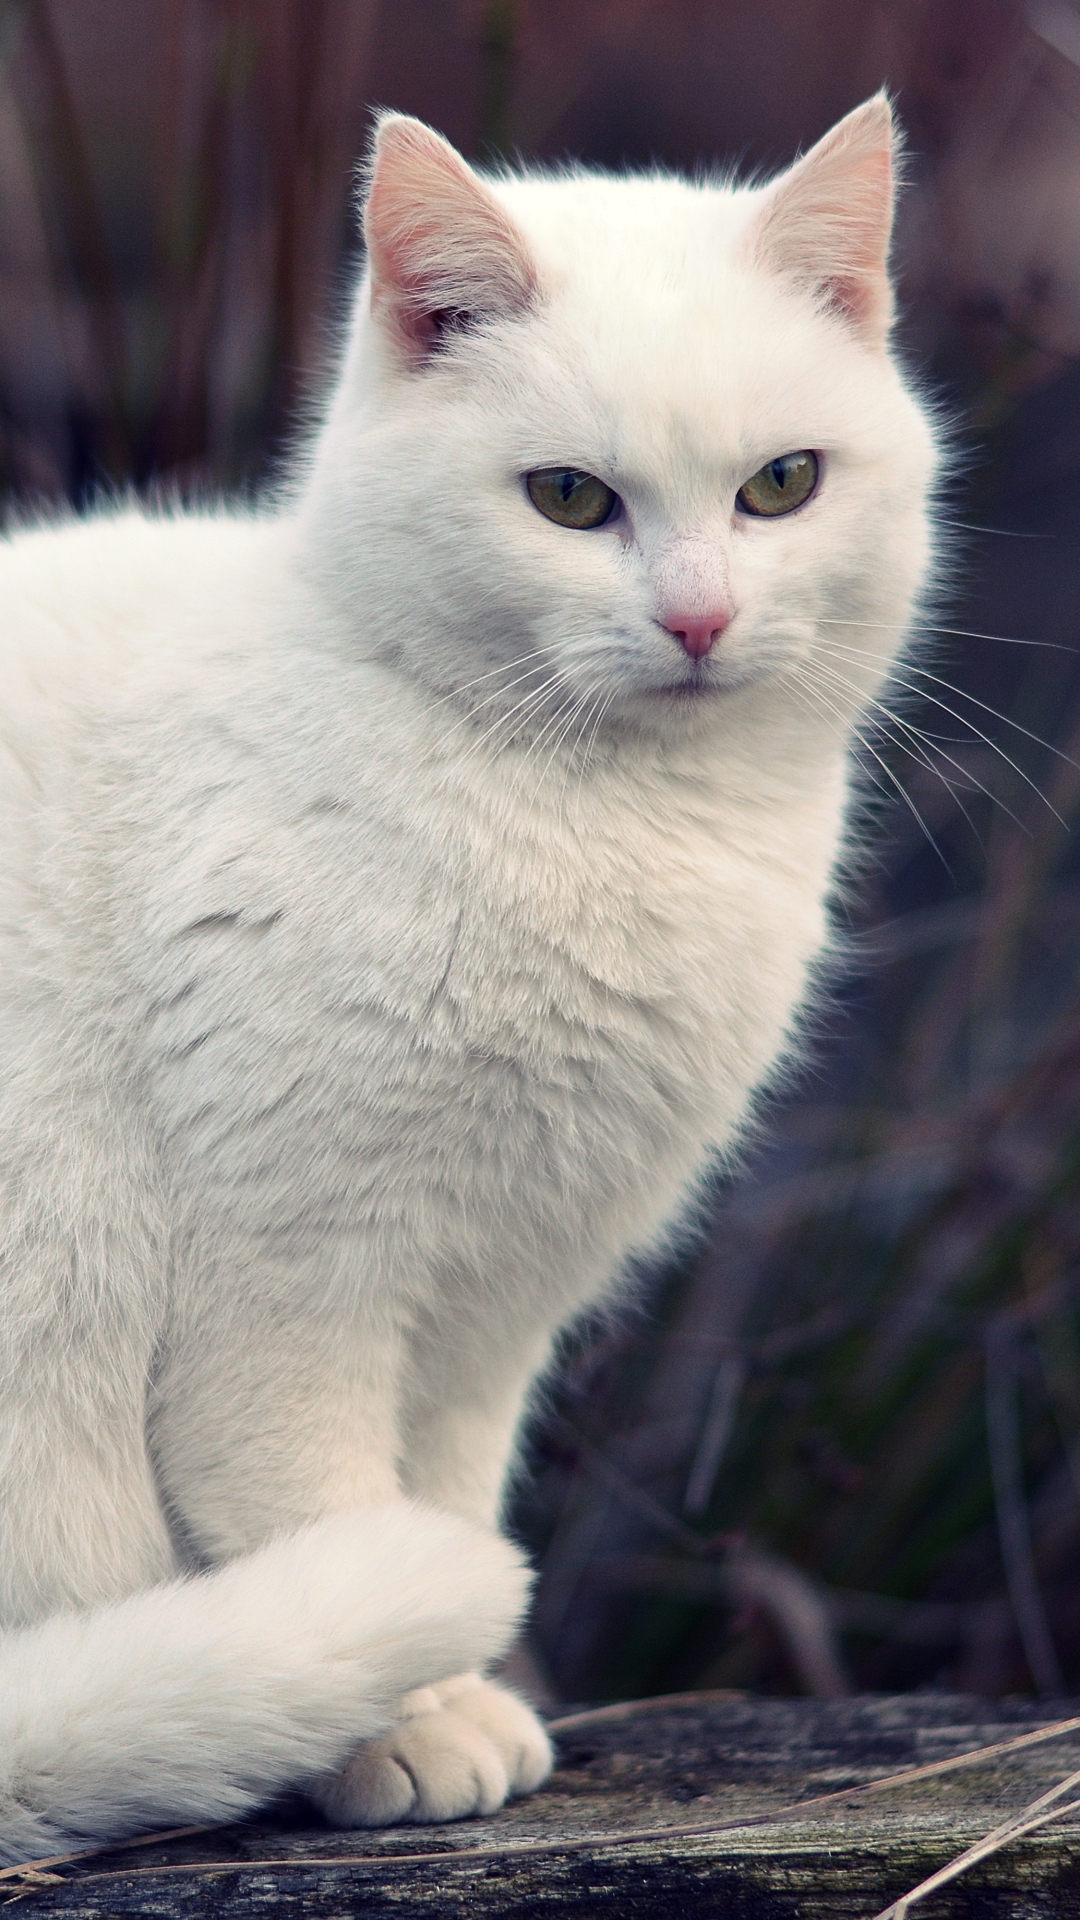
(510,1002)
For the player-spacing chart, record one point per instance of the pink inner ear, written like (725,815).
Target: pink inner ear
(848,297)
(827,222)
(441,247)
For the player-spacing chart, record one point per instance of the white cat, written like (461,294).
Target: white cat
(404,889)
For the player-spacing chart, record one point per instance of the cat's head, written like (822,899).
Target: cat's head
(625,443)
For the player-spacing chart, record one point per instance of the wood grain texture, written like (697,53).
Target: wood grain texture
(660,1765)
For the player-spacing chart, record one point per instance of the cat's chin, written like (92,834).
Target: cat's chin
(691,690)
(676,706)
(689,693)
(688,701)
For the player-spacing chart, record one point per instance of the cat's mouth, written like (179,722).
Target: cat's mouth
(695,682)
(683,693)
(715,681)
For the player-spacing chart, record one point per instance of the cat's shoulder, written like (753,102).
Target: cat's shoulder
(123,548)
(85,599)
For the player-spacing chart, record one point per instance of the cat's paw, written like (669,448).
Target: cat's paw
(463,1746)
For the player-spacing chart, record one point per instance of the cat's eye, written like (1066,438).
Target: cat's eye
(780,485)
(570,497)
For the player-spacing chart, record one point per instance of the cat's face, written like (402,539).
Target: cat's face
(638,444)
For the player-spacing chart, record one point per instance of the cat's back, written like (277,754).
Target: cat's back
(90,612)
(83,603)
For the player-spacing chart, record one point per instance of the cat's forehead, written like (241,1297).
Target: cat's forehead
(578,219)
(661,340)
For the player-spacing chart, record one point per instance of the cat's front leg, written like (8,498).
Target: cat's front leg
(279,1404)
(273,1413)
(462,1747)
(468,1744)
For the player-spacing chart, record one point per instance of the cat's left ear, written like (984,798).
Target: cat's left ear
(827,222)
(442,250)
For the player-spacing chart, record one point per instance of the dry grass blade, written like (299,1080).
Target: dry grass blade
(1037,1814)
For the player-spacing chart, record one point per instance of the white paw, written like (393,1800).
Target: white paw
(463,1746)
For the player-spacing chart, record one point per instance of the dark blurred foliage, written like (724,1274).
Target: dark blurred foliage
(840,1445)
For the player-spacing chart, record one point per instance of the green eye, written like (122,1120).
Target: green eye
(571,498)
(780,486)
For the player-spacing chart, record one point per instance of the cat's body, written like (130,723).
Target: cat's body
(395,915)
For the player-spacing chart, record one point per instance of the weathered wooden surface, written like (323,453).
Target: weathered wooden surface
(714,1758)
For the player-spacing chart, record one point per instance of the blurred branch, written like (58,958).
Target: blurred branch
(879,1616)
(1014,1530)
(600,1468)
(56,142)
(791,1602)
(310,77)
(498,45)
(754,1583)
(719,1421)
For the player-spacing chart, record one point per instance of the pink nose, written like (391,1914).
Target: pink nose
(697,634)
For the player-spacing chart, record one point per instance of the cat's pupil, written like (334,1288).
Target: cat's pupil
(568,485)
(779,472)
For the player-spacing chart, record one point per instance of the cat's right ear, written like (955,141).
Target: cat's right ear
(826,223)
(442,250)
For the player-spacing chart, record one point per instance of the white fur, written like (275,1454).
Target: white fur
(298,1650)
(357,1027)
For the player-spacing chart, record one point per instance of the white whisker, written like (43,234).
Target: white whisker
(1002,533)
(926,744)
(533,749)
(589,744)
(505,666)
(962,719)
(847,730)
(496,694)
(515,716)
(956,633)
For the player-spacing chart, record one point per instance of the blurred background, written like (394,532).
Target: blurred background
(837,1447)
